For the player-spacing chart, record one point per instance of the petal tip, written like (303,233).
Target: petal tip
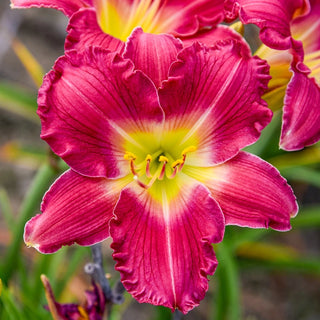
(33,245)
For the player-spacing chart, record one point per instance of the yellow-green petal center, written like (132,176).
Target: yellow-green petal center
(156,161)
(118,18)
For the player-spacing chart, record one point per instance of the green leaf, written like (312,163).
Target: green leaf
(308,175)
(9,306)
(228,295)
(30,205)
(74,260)
(307,217)
(24,156)
(304,264)
(308,156)
(6,210)
(237,236)
(267,251)
(17,100)
(162,313)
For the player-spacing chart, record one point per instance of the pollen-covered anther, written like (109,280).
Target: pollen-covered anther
(165,160)
(131,157)
(187,150)
(175,166)
(184,155)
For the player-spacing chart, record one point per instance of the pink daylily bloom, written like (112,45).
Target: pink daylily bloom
(108,23)
(273,17)
(159,170)
(290,26)
(68,7)
(301,128)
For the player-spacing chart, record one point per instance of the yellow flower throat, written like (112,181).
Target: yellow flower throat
(156,166)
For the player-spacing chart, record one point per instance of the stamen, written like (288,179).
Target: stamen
(131,157)
(184,155)
(165,160)
(148,159)
(188,149)
(141,184)
(175,165)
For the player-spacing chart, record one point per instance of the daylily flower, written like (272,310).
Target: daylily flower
(158,170)
(292,49)
(108,23)
(93,308)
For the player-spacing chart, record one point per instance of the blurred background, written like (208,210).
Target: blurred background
(262,274)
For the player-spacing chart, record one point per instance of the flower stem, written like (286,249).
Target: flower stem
(95,269)
(177,315)
(228,295)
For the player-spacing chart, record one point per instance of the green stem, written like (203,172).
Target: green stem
(30,205)
(228,299)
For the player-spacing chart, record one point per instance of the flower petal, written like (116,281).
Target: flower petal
(250,192)
(304,28)
(68,7)
(301,113)
(184,18)
(209,37)
(215,94)
(162,247)
(152,54)
(273,17)
(88,105)
(180,18)
(84,31)
(75,209)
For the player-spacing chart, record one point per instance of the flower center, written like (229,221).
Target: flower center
(157,166)
(118,19)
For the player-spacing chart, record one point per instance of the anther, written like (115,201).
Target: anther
(163,159)
(176,163)
(184,155)
(188,149)
(129,156)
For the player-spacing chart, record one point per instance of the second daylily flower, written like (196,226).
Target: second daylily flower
(158,170)
(108,23)
(292,48)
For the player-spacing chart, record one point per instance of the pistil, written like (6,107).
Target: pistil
(148,160)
